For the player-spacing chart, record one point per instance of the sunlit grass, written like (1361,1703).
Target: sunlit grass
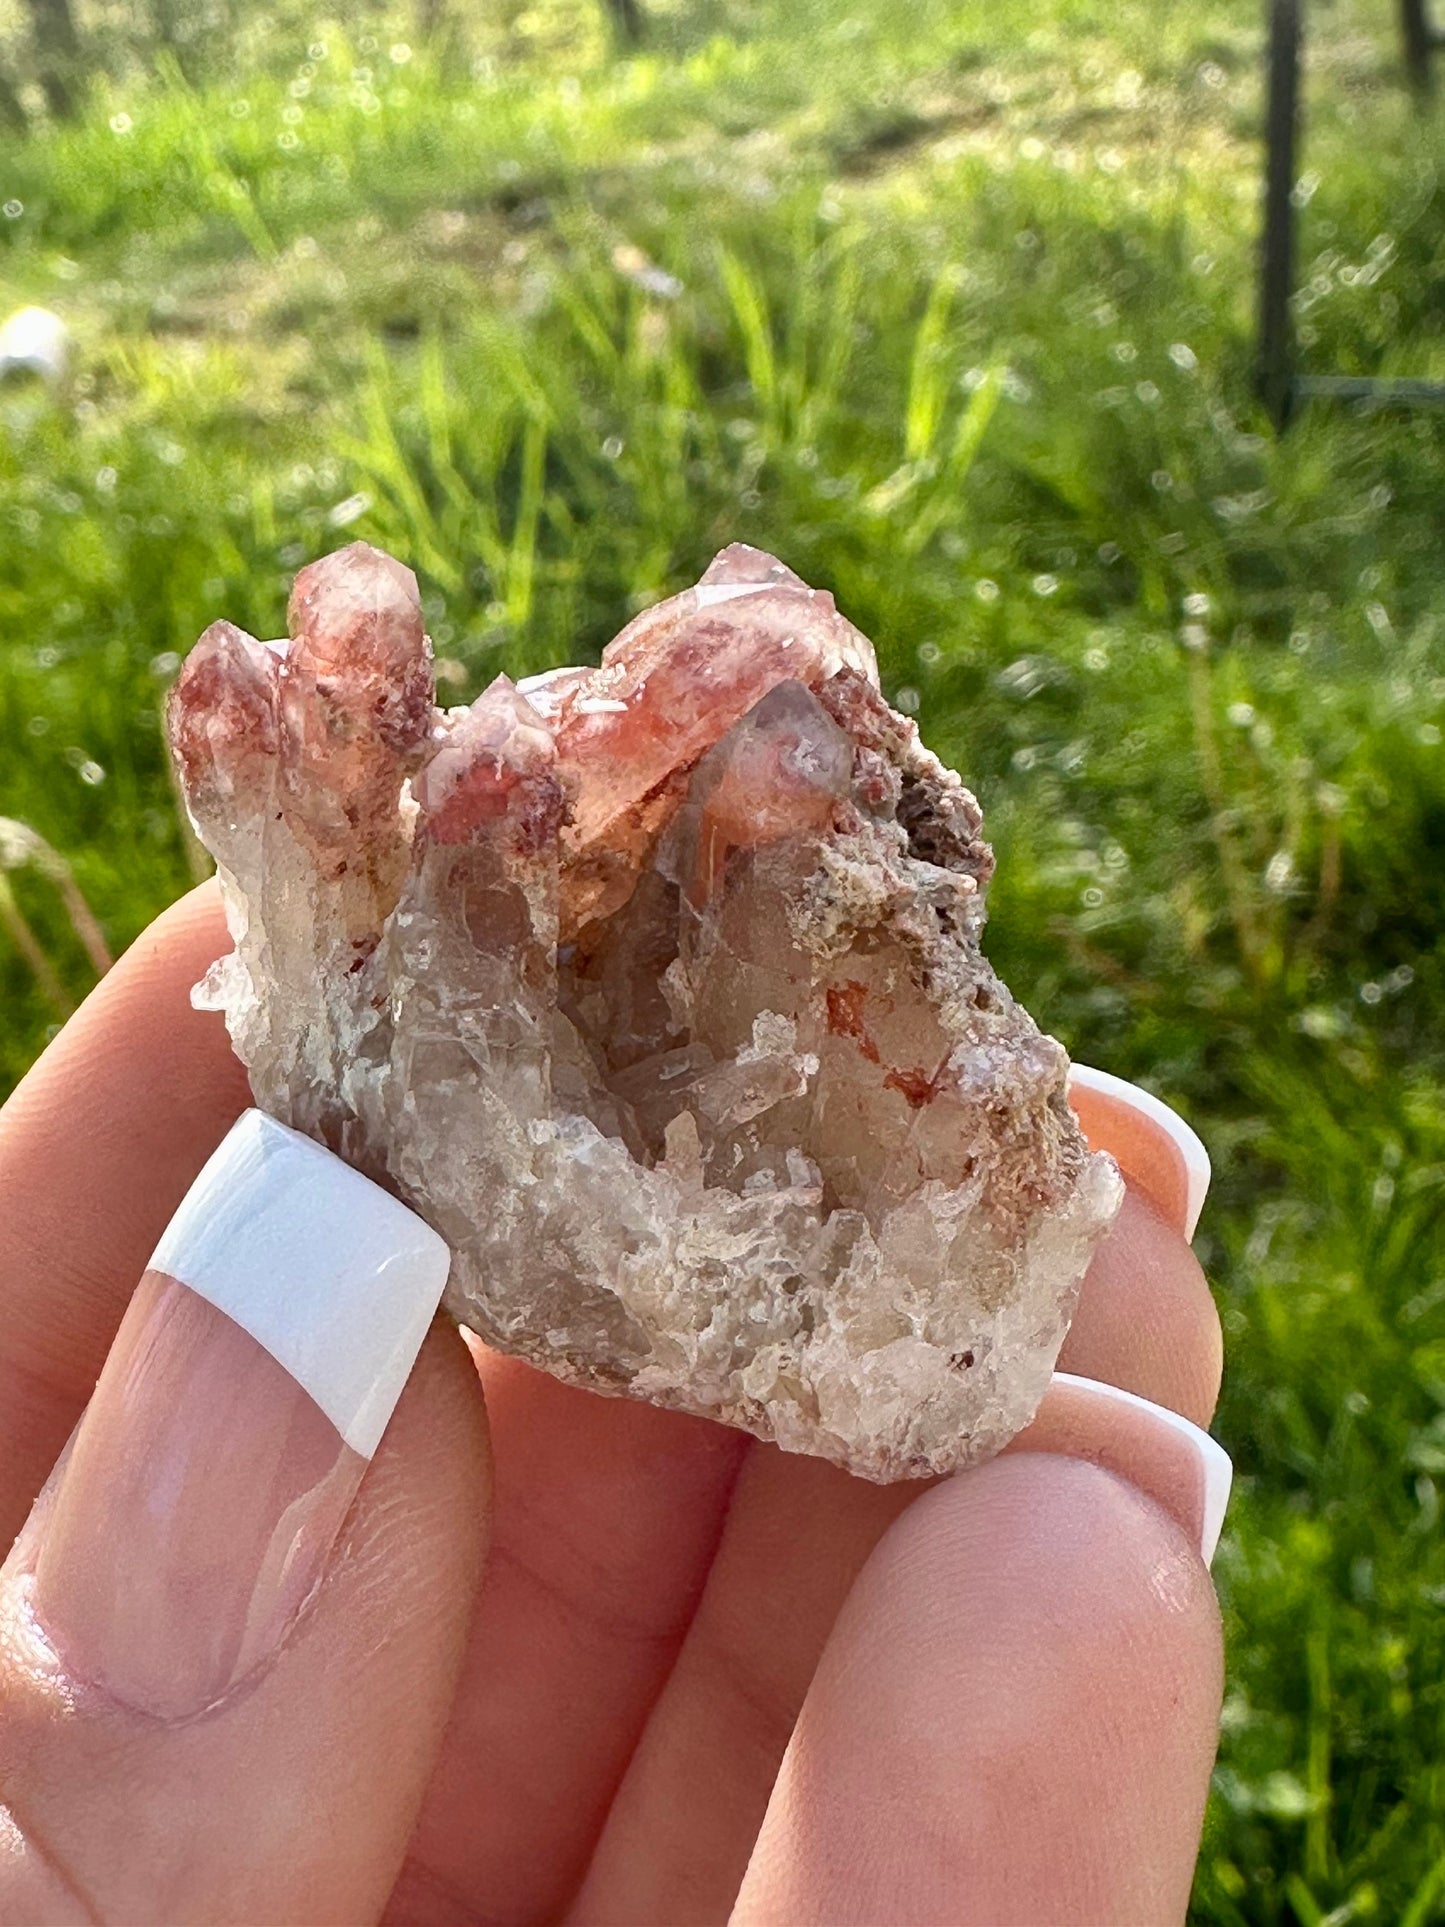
(951,305)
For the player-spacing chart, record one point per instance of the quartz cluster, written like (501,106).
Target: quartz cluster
(657,989)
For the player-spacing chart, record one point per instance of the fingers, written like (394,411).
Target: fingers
(1071,1587)
(684,1821)
(97,1147)
(1146,1319)
(606,1520)
(1169,1459)
(683,1824)
(1014,1719)
(230,1631)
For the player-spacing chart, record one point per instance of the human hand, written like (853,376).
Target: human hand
(699,1680)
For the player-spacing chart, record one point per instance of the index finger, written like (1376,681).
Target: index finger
(98,1145)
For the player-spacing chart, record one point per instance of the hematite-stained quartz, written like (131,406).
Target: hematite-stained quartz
(657,989)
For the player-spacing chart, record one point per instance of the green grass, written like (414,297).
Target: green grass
(960,325)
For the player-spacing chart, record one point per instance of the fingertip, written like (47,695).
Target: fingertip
(1152,1143)
(196,917)
(1146,1319)
(1165,1455)
(1046,1599)
(1069,1544)
(1097,1603)
(1015,1718)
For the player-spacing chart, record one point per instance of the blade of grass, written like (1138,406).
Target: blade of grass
(15,926)
(750,311)
(928,380)
(968,438)
(1317,1769)
(1421,1907)
(20,846)
(522,552)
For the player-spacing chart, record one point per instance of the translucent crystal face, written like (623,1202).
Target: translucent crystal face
(657,989)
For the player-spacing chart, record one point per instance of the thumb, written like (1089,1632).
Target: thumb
(230,1631)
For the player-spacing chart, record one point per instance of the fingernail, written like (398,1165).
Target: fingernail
(1152,1145)
(247,1389)
(1167,1457)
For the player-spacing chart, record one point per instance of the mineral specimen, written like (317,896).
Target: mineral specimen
(657,989)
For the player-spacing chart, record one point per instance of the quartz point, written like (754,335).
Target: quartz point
(657,989)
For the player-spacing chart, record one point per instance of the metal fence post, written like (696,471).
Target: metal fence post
(1421,40)
(1276,334)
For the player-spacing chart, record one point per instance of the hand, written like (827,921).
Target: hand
(699,1680)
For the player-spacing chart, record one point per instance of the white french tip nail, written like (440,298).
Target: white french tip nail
(1187,1142)
(1215,1462)
(331,1274)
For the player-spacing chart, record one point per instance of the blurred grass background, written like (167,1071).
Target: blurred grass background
(950,304)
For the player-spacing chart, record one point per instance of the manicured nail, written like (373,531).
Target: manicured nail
(1167,1457)
(247,1389)
(1152,1145)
